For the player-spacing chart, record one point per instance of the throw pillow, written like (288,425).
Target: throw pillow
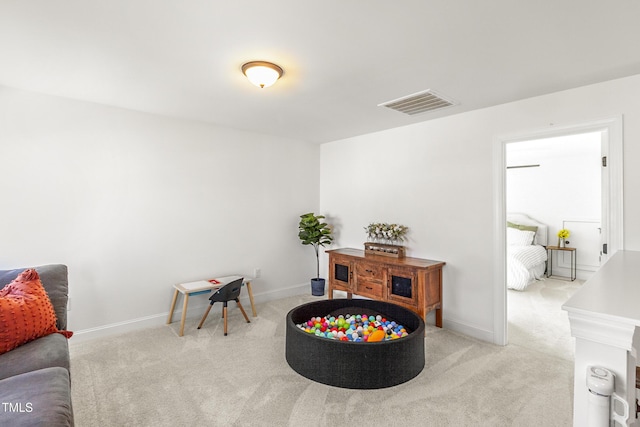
(26,313)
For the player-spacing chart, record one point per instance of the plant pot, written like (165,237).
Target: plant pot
(317,287)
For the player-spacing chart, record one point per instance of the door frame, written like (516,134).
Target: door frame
(612,201)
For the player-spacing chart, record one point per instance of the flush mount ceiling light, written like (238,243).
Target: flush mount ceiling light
(261,73)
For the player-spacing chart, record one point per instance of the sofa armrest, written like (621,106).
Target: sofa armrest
(55,281)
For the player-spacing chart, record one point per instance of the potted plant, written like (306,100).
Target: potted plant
(562,236)
(312,231)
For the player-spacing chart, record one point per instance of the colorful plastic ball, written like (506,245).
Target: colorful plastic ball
(375,336)
(354,328)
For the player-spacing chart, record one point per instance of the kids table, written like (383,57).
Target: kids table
(202,287)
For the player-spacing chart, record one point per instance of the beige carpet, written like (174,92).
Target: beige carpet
(155,378)
(536,320)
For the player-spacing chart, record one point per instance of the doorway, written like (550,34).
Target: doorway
(555,182)
(611,201)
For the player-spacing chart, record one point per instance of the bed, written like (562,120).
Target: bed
(526,250)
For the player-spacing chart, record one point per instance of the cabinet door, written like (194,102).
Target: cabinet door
(340,273)
(403,286)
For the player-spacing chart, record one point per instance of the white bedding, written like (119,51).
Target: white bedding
(524,265)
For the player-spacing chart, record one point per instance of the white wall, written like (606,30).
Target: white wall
(566,184)
(134,203)
(437,177)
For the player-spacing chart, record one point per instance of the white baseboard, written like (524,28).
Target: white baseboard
(195,310)
(468,330)
(197,307)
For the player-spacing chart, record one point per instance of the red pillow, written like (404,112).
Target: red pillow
(26,312)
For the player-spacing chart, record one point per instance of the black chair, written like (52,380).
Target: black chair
(230,291)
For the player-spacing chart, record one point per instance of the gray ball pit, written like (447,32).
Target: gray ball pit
(355,365)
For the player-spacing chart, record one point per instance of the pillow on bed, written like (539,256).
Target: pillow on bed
(517,237)
(523,227)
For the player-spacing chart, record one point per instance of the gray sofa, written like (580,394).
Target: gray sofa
(35,383)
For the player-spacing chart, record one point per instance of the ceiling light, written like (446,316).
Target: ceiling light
(262,74)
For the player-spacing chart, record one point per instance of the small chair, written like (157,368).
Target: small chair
(230,291)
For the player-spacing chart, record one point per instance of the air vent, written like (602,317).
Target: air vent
(419,102)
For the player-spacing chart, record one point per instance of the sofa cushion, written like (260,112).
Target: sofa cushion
(38,398)
(46,352)
(26,312)
(56,283)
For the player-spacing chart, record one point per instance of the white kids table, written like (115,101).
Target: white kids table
(202,287)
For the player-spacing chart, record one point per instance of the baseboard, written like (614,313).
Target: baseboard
(468,330)
(118,328)
(195,310)
(197,307)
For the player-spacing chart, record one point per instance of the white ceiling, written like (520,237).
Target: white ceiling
(341,57)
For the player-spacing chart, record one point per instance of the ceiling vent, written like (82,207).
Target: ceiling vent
(418,103)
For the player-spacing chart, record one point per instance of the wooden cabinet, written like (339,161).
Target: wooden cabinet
(414,283)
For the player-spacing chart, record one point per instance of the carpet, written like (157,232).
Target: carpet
(153,377)
(536,318)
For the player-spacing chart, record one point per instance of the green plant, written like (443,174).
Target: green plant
(312,231)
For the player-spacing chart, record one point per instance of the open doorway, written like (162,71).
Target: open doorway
(552,183)
(610,131)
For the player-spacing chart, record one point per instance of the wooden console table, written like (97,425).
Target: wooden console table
(413,283)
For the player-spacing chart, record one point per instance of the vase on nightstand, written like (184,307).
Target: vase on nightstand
(561,243)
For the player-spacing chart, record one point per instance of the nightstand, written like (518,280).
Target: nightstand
(550,250)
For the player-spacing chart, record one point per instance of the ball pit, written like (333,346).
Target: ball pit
(351,363)
(354,327)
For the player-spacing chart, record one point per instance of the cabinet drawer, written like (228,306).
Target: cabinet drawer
(371,272)
(370,289)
